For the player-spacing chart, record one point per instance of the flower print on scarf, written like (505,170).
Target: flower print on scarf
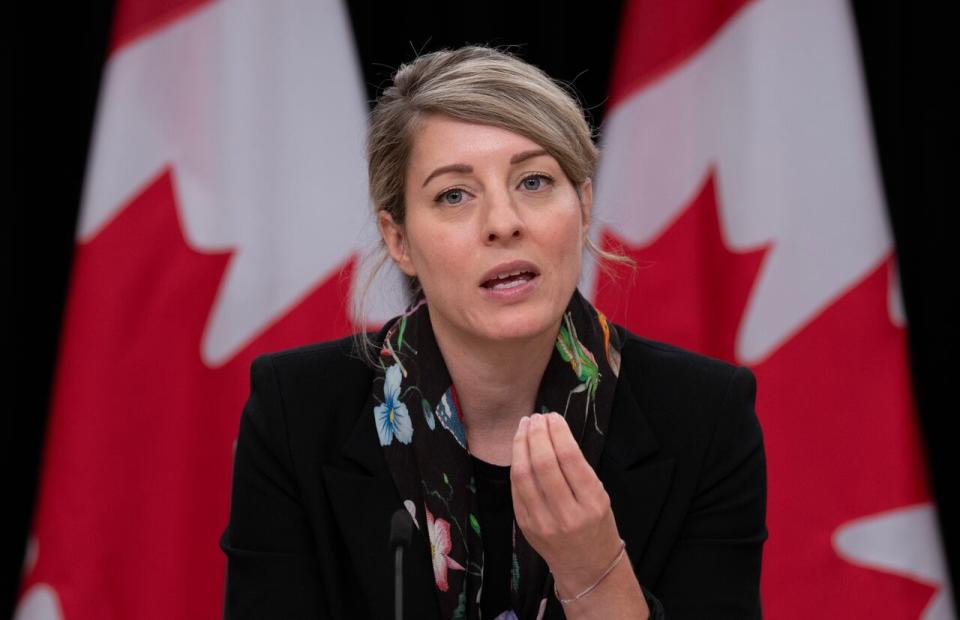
(440,545)
(612,353)
(408,504)
(388,351)
(542,609)
(428,414)
(392,417)
(450,418)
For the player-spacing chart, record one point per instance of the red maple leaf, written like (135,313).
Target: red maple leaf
(688,288)
(136,473)
(833,400)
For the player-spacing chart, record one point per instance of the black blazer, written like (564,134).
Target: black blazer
(312,496)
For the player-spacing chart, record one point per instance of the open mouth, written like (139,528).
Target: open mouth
(505,281)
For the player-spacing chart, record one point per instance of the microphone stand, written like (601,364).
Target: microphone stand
(400,534)
(398,583)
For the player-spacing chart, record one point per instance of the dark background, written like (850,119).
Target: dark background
(57,57)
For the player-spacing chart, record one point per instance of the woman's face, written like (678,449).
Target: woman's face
(493,230)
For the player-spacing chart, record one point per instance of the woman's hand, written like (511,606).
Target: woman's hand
(560,504)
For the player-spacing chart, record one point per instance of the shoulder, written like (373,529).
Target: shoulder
(645,360)
(687,395)
(329,351)
(332,361)
(319,388)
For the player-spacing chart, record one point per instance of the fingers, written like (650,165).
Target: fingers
(557,497)
(580,477)
(522,484)
(543,459)
(543,502)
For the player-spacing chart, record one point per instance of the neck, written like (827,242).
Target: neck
(497,383)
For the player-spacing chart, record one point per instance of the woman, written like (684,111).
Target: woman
(553,464)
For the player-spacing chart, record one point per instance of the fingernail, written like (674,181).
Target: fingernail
(524,421)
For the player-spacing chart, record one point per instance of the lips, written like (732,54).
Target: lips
(509,275)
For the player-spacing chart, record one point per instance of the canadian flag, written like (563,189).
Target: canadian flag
(221,217)
(739,172)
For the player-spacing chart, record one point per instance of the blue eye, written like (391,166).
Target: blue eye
(451,196)
(535,182)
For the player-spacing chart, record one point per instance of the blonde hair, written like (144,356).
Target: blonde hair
(481,85)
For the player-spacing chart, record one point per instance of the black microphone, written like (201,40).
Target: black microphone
(400,534)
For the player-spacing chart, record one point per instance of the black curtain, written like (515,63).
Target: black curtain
(58,55)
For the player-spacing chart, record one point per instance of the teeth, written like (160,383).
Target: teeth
(513,284)
(526,276)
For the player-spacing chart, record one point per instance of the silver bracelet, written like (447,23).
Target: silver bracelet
(613,565)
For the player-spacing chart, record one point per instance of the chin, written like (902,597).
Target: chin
(528,325)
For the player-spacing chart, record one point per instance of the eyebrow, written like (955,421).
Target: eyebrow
(464,168)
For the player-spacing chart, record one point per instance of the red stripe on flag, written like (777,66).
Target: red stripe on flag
(137,18)
(136,474)
(657,36)
(842,443)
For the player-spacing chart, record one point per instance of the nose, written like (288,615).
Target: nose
(503,220)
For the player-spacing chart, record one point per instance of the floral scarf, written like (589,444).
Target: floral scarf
(424,441)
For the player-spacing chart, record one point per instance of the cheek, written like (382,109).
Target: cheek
(438,256)
(567,235)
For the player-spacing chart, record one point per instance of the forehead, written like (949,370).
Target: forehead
(441,140)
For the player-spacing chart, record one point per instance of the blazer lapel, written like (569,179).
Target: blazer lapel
(364,498)
(636,481)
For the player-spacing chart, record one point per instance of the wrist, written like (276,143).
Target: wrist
(570,581)
(619,595)
(572,587)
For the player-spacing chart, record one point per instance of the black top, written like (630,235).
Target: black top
(683,464)
(496,530)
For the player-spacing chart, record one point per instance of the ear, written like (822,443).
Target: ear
(395,238)
(586,202)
